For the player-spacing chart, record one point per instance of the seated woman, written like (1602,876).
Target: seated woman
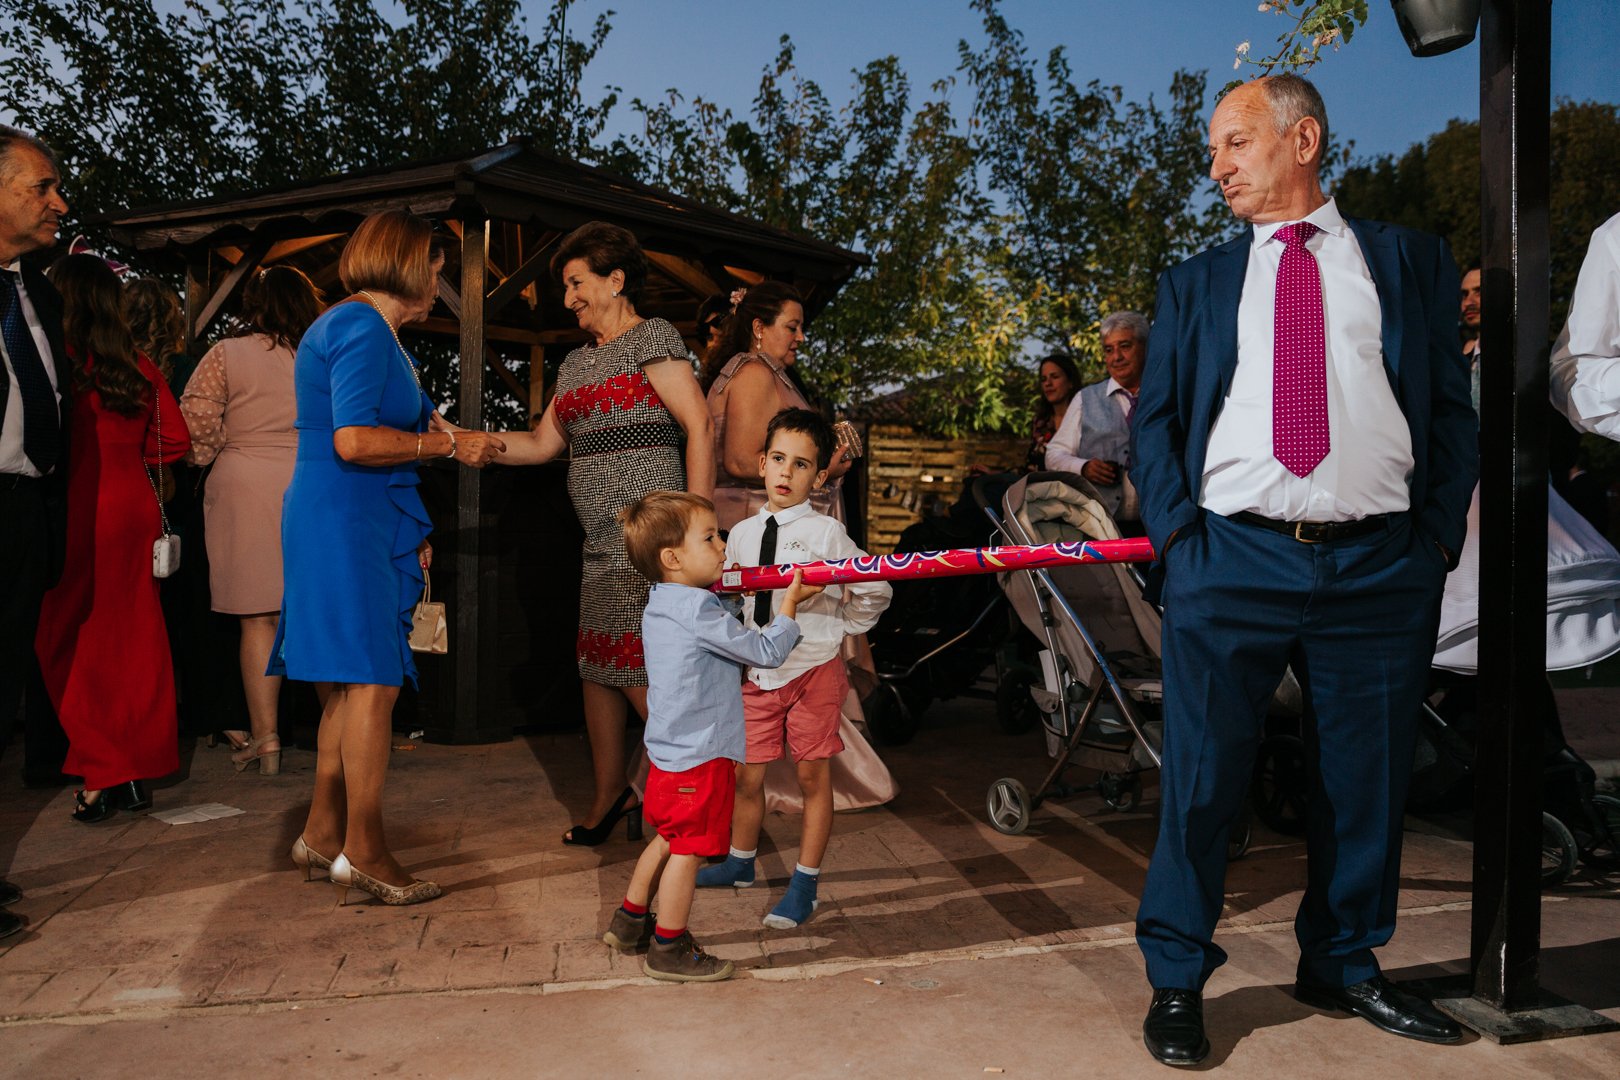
(750,379)
(1059,383)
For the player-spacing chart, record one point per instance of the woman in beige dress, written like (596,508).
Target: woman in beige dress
(748,382)
(240,407)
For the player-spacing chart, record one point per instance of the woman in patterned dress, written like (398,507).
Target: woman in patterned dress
(629,412)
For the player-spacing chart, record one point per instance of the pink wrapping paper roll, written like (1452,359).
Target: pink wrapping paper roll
(927,564)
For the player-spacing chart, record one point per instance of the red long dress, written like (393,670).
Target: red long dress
(101,641)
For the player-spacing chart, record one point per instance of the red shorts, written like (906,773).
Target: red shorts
(805,713)
(692,809)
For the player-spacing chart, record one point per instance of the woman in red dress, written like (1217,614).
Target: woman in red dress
(101,640)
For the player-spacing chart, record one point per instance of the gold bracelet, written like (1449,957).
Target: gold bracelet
(418,446)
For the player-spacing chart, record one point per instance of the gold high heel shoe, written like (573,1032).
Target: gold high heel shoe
(269,760)
(345,877)
(307,857)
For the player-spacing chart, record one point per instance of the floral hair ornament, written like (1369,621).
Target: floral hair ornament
(737,298)
(81,246)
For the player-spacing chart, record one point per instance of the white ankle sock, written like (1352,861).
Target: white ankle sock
(809,871)
(735,854)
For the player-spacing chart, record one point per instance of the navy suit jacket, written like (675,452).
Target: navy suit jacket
(47,304)
(1192,354)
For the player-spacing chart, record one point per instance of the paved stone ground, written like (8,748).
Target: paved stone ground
(138,926)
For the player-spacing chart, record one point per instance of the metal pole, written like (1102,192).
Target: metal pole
(1515,147)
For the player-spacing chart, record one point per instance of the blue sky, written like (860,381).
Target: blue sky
(1377,94)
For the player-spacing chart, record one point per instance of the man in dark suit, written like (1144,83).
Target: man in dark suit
(1305,448)
(33,444)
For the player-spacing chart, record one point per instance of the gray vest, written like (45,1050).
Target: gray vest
(1104,434)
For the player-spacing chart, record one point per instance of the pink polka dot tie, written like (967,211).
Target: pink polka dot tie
(1299,414)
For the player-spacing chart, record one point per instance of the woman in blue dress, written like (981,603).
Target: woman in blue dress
(354,540)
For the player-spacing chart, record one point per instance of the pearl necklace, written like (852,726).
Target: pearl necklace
(372,300)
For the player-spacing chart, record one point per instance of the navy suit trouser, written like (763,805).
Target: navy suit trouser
(1356,619)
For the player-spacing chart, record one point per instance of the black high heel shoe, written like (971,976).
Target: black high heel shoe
(131,795)
(93,813)
(583,836)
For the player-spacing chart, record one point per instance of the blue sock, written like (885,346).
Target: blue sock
(798,902)
(737,871)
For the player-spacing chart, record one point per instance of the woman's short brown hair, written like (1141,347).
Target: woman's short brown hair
(606,248)
(655,522)
(391,252)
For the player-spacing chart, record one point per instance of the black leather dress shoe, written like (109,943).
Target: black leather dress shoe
(9,894)
(130,795)
(9,924)
(1174,1028)
(1385,1006)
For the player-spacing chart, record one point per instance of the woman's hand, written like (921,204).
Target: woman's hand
(841,463)
(424,551)
(439,423)
(476,449)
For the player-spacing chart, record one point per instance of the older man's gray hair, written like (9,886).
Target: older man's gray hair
(1136,323)
(1292,98)
(10,139)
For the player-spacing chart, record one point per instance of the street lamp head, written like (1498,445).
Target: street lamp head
(1432,27)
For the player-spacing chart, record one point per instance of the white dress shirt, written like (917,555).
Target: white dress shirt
(1063,448)
(1585,376)
(1368,469)
(12,458)
(803,535)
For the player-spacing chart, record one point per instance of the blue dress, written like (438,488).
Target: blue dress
(349,533)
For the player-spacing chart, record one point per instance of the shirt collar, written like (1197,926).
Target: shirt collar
(788,516)
(1325,217)
(1115,388)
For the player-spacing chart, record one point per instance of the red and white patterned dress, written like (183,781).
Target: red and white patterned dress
(623,443)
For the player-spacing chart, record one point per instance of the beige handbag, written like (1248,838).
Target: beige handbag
(430,629)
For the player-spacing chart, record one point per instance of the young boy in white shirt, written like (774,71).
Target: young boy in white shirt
(799,702)
(695,653)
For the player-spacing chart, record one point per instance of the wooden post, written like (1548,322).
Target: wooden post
(473,649)
(197,292)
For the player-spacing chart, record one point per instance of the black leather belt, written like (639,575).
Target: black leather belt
(1315,532)
(10,481)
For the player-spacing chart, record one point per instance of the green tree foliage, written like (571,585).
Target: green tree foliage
(1435,186)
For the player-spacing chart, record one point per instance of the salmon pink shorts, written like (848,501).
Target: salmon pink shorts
(804,714)
(692,809)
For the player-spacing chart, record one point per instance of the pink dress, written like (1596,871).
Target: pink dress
(860,779)
(240,407)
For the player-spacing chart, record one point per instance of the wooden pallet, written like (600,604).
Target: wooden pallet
(909,474)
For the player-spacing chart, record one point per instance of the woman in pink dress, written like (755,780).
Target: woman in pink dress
(748,380)
(240,406)
(101,641)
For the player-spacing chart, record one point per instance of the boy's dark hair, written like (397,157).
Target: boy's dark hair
(657,521)
(805,422)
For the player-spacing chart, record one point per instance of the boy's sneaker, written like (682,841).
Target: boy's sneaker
(629,933)
(734,871)
(683,961)
(796,905)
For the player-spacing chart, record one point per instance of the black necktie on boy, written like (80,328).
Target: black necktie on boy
(767,556)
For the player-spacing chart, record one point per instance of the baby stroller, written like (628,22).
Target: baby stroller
(937,636)
(1101,691)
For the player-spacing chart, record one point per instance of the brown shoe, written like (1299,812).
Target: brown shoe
(683,961)
(629,933)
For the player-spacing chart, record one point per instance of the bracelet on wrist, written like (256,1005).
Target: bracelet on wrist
(452,436)
(418,446)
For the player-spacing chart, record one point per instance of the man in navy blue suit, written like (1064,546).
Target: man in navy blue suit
(1305,448)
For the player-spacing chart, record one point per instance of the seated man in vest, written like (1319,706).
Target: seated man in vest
(1094,440)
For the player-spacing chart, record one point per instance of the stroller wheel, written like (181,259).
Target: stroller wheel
(1281,792)
(888,719)
(1015,708)
(1558,851)
(1602,848)
(1008,805)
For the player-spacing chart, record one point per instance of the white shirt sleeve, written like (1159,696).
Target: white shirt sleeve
(1062,450)
(862,602)
(1584,381)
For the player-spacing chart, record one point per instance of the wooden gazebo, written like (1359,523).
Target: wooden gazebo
(509,206)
